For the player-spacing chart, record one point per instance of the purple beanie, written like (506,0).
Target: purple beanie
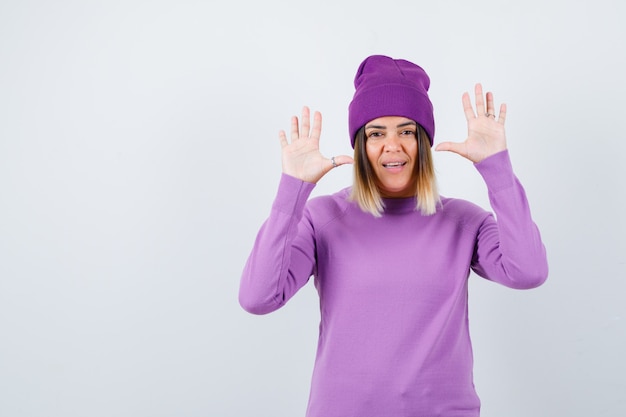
(390,87)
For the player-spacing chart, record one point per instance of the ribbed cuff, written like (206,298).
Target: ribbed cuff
(292,194)
(497,171)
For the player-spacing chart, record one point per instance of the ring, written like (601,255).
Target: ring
(489,115)
(332,160)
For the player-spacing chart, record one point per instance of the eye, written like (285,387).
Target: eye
(408,132)
(374,135)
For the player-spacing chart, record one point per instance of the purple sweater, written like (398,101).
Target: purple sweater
(393,337)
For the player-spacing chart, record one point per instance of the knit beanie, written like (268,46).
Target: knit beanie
(390,87)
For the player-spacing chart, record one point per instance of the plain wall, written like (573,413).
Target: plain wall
(139,156)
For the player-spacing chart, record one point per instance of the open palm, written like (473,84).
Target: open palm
(301,158)
(485,129)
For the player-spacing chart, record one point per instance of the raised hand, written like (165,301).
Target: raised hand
(485,129)
(302,158)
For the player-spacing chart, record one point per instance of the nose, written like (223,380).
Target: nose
(392,144)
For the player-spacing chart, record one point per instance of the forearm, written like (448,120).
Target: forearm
(281,260)
(510,251)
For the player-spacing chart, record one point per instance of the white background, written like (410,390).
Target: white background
(139,156)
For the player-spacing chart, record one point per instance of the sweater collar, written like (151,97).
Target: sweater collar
(399,205)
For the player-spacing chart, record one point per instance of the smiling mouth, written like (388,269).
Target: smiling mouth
(394,164)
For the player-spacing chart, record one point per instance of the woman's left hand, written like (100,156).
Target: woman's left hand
(485,129)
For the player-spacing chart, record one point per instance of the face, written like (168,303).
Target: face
(391,147)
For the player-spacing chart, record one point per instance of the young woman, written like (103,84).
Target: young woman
(389,256)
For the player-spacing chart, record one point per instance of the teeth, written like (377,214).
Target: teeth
(394,164)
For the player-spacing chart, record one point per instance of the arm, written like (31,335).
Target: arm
(283,256)
(510,250)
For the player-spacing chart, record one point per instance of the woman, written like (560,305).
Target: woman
(390,257)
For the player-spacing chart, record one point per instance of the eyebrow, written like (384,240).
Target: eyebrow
(385,127)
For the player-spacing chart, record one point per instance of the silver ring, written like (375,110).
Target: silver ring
(332,160)
(489,115)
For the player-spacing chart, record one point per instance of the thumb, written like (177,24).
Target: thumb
(458,148)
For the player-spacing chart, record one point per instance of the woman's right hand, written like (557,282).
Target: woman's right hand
(302,158)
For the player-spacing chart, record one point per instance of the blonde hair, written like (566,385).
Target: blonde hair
(366,193)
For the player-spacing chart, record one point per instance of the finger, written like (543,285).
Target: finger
(502,114)
(490,106)
(467,107)
(339,160)
(480,102)
(316,131)
(306,122)
(282,137)
(294,128)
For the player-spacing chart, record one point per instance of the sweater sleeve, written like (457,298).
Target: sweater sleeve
(283,256)
(509,249)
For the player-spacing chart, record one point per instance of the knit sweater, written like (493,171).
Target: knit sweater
(393,336)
